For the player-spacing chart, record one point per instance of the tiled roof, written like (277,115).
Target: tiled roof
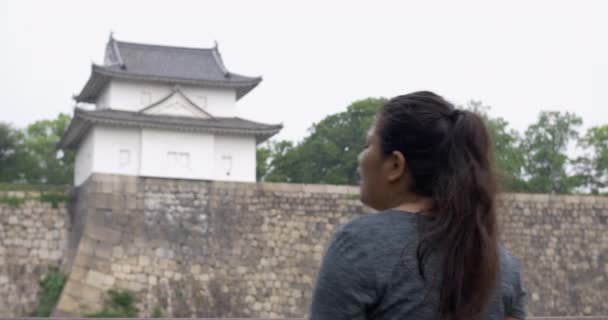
(84,119)
(175,65)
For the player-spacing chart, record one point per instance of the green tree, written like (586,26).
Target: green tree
(508,151)
(10,141)
(271,156)
(39,161)
(262,159)
(546,160)
(593,166)
(282,162)
(329,153)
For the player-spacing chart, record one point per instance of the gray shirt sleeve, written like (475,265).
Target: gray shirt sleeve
(517,301)
(345,286)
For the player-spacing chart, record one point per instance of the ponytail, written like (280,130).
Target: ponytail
(449,156)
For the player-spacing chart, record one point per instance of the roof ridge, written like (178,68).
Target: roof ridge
(121,62)
(108,69)
(139,44)
(219,61)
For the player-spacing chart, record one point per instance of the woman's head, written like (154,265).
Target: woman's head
(403,148)
(421,146)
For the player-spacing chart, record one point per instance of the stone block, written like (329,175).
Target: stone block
(96,279)
(77,273)
(106,187)
(102,265)
(13,220)
(67,305)
(93,296)
(195,269)
(102,201)
(109,281)
(119,202)
(103,234)
(104,250)
(130,184)
(117,252)
(134,286)
(143,261)
(87,246)
(84,260)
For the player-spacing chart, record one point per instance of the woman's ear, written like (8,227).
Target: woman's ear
(397,166)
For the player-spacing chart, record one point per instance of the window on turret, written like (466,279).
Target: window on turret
(124,157)
(227,165)
(180,160)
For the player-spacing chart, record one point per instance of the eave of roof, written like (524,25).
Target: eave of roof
(83,120)
(101,75)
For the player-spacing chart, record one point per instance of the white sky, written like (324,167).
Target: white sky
(316,57)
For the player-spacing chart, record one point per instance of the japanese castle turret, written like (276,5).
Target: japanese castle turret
(164,112)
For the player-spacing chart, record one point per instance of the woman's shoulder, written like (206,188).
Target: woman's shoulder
(371,221)
(382,227)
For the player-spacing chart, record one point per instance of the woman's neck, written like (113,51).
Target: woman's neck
(414,203)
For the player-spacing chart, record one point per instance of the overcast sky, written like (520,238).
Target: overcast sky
(316,57)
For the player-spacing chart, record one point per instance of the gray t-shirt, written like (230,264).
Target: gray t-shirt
(370,271)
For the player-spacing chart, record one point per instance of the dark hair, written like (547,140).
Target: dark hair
(448,153)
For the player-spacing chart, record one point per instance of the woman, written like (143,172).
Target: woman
(431,252)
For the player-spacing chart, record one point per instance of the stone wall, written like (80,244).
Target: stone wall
(204,249)
(219,249)
(33,238)
(562,244)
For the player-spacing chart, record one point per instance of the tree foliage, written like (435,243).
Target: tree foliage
(508,151)
(546,161)
(262,159)
(31,156)
(538,161)
(280,159)
(10,141)
(329,154)
(535,162)
(593,165)
(44,165)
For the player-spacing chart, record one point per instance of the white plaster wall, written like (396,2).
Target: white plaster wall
(116,150)
(241,152)
(159,153)
(177,154)
(83,164)
(104,98)
(136,95)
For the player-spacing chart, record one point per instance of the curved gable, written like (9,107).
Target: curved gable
(177,104)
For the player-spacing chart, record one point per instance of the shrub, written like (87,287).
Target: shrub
(51,285)
(121,304)
(14,202)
